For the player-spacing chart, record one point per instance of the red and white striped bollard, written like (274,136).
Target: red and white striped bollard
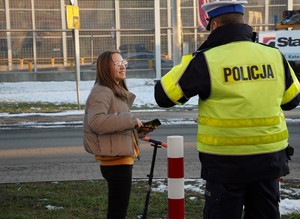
(175,177)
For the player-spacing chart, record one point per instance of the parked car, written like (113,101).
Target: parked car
(291,17)
(145,60)
(128,48)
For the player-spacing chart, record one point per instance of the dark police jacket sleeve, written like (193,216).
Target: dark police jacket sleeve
(194,81)
(288,82)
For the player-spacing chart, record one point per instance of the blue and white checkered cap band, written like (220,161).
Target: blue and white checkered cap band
(234,8)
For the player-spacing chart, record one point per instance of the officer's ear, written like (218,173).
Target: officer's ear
(214,24)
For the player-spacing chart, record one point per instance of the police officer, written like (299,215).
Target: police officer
(242,136)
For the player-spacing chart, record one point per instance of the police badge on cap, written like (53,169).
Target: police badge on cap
(217,8)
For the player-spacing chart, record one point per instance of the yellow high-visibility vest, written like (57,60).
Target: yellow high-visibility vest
(242,116)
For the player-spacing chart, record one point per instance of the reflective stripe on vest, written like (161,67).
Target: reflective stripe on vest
(237,141)
(170,80)
(233,123)
(244,140)
(242,116)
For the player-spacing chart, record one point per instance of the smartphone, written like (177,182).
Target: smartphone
(151,124)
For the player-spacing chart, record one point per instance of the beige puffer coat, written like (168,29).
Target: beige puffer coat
(108,124)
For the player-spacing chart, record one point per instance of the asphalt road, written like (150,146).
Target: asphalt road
(56,154)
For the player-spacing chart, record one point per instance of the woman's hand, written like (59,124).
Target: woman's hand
(143,131)
(139,123)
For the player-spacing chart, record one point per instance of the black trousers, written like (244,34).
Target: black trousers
(259,200)
(119,179)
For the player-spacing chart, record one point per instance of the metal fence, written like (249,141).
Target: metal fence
(33,33)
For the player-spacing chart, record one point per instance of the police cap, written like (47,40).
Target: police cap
(217,8)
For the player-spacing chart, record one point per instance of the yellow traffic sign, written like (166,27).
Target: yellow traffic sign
(73,20)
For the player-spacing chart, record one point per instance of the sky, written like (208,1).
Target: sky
(66,92)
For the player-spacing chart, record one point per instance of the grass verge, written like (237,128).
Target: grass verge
(87,199)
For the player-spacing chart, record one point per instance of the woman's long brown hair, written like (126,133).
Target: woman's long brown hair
(105,77)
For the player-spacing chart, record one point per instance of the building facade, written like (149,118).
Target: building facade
(34,32)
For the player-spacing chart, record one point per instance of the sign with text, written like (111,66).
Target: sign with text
(288,42)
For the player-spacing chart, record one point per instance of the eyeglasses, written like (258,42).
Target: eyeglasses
(119,63)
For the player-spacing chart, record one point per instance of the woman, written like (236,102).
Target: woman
(110,130)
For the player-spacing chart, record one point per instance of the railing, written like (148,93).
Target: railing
(42,63)
(28,63)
